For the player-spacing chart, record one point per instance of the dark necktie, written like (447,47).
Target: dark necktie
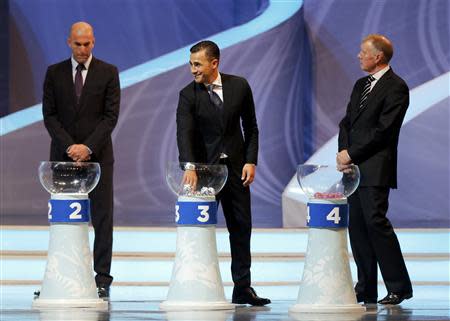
(366,91)
(214,97)
(79,81)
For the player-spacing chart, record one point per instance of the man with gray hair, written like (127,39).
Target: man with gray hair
(368,137)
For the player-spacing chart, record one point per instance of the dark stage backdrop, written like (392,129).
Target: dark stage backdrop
(301,72)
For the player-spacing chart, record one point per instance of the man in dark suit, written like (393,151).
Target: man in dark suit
(368,137)
(80,107)
(209,115)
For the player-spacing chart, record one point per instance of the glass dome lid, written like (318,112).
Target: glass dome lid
(326,182)
(210,179)
(69,177)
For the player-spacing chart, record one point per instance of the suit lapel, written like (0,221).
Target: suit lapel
(68,82)
(378,88)
(227,91)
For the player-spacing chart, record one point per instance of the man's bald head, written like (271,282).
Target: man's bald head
(81,40)
(81,28)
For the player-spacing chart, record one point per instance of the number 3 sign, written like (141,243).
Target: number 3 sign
(196,213)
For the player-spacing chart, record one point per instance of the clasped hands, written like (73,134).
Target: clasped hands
(79,153)
(343,161)
(248,176)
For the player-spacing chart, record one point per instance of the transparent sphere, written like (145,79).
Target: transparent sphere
(69,177)
(210,179)
(326,182)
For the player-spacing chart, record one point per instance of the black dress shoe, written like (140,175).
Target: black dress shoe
(395,298)
(248,296)
(103,292)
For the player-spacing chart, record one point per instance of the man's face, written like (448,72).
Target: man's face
(81,42)
(203,69)
(369,57)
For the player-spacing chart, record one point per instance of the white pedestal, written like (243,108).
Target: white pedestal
(69,276)
(205,315)
(327,285)
(196,283)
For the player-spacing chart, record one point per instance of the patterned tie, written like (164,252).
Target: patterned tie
(79,81)
(214,97)
(366,91)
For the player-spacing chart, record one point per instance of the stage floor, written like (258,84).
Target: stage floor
(142,265)
(142,303)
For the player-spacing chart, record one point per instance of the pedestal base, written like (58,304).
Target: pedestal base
(196,283)
(72,303)
(69,276)
(327,285)
(193,305)
(327,308)
(199,315)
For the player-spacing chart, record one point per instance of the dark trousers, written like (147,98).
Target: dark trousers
(102,221)
(373,241)
(235,200)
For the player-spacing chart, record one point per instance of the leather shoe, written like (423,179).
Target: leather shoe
(395,298)
(103,292)
(248,296)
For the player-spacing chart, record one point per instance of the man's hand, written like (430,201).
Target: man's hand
(343,158)
(79,153)
(346,169)
(190,177)
(248,174)
(343,161)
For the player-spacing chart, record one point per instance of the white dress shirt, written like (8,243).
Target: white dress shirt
(217,86)
(84,71)
(378,75)
(83,74)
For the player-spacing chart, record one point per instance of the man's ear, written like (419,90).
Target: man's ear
(215,62)
(380,57)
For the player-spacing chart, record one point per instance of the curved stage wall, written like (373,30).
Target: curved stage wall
(301,73)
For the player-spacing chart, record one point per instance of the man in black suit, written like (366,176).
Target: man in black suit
(368,137)
(209,115)
(80,107)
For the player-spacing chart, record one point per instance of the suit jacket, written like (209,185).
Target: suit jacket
(89,122)
(203,132)
(370,134)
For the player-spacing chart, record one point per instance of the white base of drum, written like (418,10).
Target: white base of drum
(328,308)
(193,305)
(327,285)
(75,303)
(69,277)
(196,283)
(198,315)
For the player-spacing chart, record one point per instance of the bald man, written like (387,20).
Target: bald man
(368,137)
(81,106)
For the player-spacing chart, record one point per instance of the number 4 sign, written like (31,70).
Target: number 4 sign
(334,215)
(327,214)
